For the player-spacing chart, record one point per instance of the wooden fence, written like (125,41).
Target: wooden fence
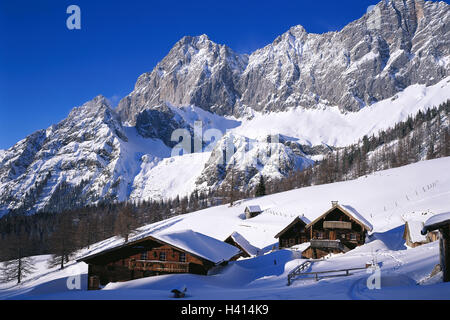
(297,272)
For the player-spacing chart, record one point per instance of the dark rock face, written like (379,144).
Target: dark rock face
(395,45)
(159,123)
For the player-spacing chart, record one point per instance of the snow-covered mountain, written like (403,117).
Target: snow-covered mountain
(85,158)
(395,45)
(312,91)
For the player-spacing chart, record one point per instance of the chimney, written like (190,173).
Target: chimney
(334,203)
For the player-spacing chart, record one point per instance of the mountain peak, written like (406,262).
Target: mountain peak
(298,30)
(397,43)
(194,40)
(100,99)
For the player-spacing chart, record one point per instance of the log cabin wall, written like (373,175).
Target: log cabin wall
(297,234)
(338,226)
(140,260)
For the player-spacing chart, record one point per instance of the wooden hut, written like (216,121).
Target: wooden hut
(339,229)
(252,211)
(441,222)
(294,233)
(177,252)
(247,249)
(413,236)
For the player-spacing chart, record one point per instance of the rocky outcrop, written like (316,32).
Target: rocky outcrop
(79,151)
(244,160)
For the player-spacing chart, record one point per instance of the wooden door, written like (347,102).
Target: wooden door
(332,235)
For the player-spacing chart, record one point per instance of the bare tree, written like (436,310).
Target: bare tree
(125,223)
(19,266)
(63,241)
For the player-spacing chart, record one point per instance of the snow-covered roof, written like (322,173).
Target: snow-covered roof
(414,231)
(196,243)
(436,221)
(353,212)
(199,244)
(244,244)
(254,209)
(302,218)
(349,210)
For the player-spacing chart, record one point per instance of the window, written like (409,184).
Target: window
(144,255)
(162,256)
(353,237)
(319,235)
(182,257)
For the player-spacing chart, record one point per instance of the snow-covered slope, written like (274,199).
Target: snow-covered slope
(386,199)
(168,178)
(335,128)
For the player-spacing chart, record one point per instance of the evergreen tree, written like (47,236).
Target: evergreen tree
(261,188)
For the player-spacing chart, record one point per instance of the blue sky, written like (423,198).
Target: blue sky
(46,69)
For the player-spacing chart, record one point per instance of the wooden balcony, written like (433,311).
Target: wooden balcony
(159,266)
(337,225)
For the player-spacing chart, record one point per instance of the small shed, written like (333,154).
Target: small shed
(441,222)
(413,235)
(252,211)
(238,240)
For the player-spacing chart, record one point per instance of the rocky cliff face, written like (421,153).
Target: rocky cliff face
(397,44)
(83,159)
(196,72)
(101,154)
(242,160)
